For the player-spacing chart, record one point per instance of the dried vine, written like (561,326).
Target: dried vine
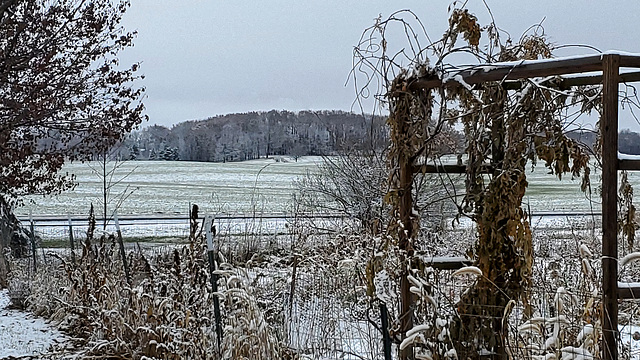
(507,127)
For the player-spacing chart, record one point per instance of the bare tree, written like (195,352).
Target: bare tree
(109,169)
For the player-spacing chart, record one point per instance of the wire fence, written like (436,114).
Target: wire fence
(320,306)
(154,227)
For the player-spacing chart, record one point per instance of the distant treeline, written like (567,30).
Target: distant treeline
(246,136)
(628,141)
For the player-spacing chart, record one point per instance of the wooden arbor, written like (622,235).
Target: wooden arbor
(607,66)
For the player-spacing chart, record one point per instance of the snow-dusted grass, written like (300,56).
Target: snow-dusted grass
(263,186)
(327,318)
(168,187)
(165,312)
(22,334)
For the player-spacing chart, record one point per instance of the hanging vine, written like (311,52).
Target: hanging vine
(508,127)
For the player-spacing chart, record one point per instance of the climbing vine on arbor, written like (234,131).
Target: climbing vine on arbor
(509,127)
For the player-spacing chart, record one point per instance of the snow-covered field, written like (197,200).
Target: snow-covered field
(23,335)
(165,187)
(263,186)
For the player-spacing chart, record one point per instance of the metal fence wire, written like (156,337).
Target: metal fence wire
(321,309)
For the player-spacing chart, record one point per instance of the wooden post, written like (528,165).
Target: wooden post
(609,134)
(32,237)
(386,338)
(405,241)
(73,254)
(292,289)
(121,245)
(193,222)
(209,230)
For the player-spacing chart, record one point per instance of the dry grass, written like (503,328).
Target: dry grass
(271,311)
(166,313)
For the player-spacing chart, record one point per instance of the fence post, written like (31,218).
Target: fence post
(32,236)
(210,231)
(386,339)
(293,284)
(73,254)
(193,222)
(121,245)
(609,135)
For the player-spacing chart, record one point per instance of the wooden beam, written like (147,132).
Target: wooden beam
(631,165)
(446,263)
(568,82)
(447,169)
(609,134)
(597,79)
(632,61)
(628,291)
(512,71)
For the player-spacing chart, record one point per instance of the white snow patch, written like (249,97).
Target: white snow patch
(622,156)
(585,252)
(468,270)
(628,336)
(23,335)
(628,285)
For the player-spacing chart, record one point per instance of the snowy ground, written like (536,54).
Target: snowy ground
(168,187)
(630,337)
(22,335)
(263,186)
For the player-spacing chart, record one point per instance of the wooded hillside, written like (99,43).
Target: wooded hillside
(237,137)
(246,136)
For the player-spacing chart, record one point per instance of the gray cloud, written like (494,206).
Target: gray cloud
(207,57)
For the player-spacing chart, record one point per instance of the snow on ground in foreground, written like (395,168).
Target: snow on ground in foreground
(630,341)
(22,334)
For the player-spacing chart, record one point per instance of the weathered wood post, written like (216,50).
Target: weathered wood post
(401,160)
(406,244)
(193,222)
(121,245)
(609,135)
(71,243)
(386,338)
(32,237)
(210,233)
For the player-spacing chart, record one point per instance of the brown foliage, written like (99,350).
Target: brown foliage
(506,128)
(64,94)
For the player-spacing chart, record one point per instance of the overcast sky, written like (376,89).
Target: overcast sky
(203,58)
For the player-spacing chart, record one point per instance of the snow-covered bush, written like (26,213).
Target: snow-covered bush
(18,291)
